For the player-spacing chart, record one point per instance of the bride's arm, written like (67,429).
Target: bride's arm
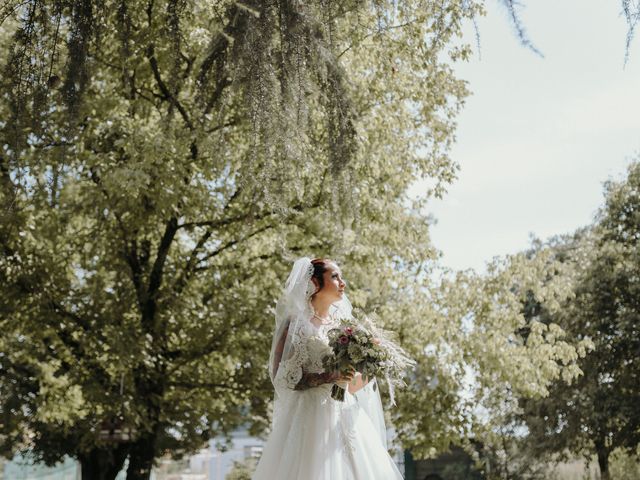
(279,349)
(308,380)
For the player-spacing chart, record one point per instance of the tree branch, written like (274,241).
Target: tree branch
(150,52)
(238,23)
(155,277)
(231,123)
(131,257)
(216,224)
(191,262)
(511,7)
(232,243)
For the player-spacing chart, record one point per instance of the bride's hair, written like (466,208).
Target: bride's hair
(320,265)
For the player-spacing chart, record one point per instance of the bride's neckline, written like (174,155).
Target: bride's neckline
(323,320)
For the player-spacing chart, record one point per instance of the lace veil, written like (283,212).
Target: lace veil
(293,316)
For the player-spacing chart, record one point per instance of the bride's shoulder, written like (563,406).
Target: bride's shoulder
(305,326)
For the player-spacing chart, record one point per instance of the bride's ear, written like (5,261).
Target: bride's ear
(315,284)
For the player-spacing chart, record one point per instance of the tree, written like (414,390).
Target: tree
(597,413)
(163,161)
(483,353)
(161,164)
(506,456)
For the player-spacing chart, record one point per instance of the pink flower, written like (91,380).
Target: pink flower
(343,339)
(348,330)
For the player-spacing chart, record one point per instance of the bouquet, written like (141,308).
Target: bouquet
(368,350)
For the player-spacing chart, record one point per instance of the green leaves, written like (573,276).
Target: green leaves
(154,202)
(478,350)
(59,401)
(591,413)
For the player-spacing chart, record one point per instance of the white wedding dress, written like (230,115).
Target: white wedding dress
(315,437)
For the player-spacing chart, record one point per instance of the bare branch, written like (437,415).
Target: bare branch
(631,11)
(512,6)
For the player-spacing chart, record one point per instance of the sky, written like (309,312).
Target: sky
(539,136)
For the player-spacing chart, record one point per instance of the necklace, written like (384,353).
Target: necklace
(323,320)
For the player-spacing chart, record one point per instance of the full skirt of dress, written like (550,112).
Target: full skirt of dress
(317,438)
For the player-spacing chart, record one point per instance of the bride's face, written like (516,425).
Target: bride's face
(334,285)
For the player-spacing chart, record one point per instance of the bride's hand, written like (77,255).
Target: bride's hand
(345,377)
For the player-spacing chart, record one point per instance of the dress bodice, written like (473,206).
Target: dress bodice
(317,346)
(309,347)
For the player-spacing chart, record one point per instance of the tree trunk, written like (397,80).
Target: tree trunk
(603,463)
(142,452)
(102,464)
(141,457)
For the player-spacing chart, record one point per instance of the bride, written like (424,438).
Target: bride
(314,437)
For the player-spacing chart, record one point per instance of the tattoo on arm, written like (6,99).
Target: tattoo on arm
(310,380)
